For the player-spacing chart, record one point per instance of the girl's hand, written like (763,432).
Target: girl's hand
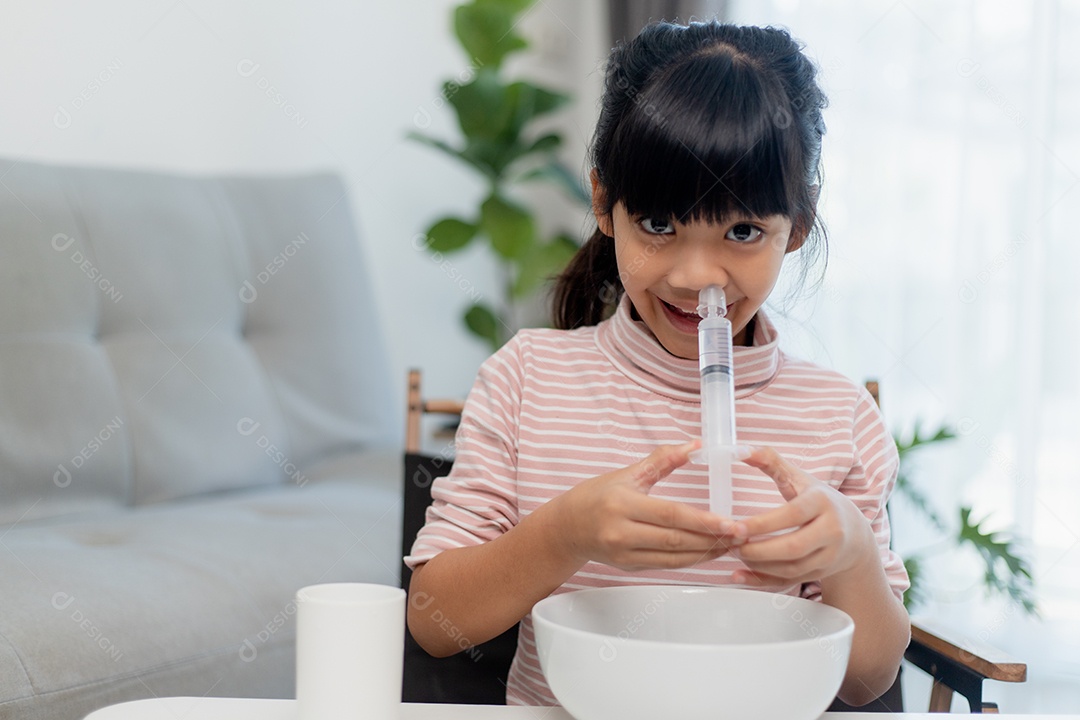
(611,519)
(829,535)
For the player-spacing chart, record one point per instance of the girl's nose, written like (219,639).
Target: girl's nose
(695,268)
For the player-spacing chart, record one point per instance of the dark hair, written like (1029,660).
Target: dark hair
(698,122)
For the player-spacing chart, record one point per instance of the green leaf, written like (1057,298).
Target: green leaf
(481,104)
(918,440)
(435,143)
(914,596)
(483,323)
(515,6)
(496,155)
(450,234)
(516,151)
(1014,579)
(542,263)
(547,143)
(486,32)
(1005,571)
(509,227)
(470,155)
(487,109)
(906,488)
(558,174)
(524,103)
(486,156)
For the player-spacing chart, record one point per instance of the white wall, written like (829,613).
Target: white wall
(198,86)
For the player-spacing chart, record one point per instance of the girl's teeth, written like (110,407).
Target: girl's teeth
(682,312)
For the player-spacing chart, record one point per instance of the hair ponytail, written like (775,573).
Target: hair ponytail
(589,289)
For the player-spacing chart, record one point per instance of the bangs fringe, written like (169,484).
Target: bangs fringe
(707,145)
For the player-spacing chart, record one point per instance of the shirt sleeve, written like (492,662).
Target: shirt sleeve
(869,485)
(477,501)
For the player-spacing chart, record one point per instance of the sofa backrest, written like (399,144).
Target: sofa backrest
(164,336)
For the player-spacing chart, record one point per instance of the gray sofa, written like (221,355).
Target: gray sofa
(194,423)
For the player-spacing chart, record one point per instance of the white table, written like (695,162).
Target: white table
(191,708)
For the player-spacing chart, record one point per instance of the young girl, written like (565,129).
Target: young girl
(572,466)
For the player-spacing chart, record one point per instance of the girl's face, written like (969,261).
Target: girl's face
(663,265)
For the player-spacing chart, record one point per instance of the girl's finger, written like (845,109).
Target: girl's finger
(660,463)
(793,514)
(651,537)
(805,567)
(790,546)
(640,559)
(670,514)
(789,479)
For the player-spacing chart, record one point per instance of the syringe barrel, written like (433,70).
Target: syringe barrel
(717,416)
(717,382)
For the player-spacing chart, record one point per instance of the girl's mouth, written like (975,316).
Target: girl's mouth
(682,320)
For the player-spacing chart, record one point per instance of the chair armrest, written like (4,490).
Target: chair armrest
(969,653)
(416,407)
(445,407)
(959,663)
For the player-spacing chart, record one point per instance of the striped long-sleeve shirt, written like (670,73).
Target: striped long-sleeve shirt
(553,408)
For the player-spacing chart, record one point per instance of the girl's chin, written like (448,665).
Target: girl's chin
(681,353)
(676,343)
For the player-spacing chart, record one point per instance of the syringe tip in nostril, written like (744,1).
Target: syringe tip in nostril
(712,302)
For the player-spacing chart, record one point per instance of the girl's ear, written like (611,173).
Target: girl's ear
(599,203)
(796,241)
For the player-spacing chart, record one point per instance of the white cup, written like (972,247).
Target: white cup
(349,648)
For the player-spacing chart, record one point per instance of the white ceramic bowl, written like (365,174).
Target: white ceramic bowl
(652,652)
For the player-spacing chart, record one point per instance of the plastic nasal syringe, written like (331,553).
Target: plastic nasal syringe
(717,396)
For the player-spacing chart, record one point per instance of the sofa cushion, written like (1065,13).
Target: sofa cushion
(167,336)
(189,597)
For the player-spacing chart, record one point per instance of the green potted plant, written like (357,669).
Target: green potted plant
(1005,571)
(499,141)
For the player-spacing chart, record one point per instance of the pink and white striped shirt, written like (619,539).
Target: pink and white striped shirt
(553,408)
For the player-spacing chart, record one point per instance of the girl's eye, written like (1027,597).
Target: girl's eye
(743,233)
(657,226)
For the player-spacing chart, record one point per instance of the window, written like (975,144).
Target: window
(952,162)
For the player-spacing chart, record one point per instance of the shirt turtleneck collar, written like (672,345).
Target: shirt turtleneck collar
(636,352)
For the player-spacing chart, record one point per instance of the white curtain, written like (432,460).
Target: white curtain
(952,161)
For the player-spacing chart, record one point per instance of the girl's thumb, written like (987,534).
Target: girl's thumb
(661,462)
(789,480)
